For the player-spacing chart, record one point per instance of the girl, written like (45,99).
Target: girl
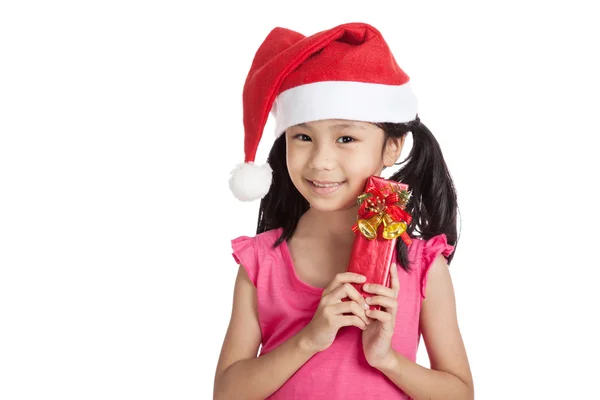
(342,107)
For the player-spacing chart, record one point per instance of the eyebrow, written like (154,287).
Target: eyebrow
(337,127)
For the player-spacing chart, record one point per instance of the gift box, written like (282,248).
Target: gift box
(381,220)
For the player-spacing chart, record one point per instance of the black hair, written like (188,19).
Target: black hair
(433,203)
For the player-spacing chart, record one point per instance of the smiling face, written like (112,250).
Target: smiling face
(329,161)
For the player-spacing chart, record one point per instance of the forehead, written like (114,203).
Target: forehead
(335,125)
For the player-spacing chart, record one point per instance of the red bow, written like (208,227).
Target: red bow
(386,204)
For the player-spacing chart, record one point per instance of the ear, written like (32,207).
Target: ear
(392,151)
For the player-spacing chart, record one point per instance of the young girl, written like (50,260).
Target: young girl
(342,108)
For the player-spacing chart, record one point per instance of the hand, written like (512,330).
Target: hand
(377,338)
(321,331)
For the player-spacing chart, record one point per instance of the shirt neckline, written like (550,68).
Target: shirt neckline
(285,252)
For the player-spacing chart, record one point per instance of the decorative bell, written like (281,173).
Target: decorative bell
(393,229)
(368,227)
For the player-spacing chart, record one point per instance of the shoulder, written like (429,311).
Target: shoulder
(435,246)
(268,238)
(262,240)
(249,250)
(428,249)
(425,253)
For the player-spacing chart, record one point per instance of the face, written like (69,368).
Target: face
(329,161)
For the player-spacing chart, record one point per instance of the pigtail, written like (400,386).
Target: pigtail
(433,204)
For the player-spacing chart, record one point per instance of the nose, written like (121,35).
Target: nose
(322,157)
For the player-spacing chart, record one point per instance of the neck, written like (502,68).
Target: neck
(330,223)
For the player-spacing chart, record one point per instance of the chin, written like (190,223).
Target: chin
(324,204)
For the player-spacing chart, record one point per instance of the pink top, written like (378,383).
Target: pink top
(286,305)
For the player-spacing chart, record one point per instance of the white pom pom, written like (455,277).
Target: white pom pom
(250,181)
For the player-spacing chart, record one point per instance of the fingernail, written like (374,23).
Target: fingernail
(366,306)
(368,300)
(363,278)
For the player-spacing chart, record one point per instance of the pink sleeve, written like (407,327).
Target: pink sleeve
(244,254)
(432,247)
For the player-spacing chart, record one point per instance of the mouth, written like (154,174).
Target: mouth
(324,187)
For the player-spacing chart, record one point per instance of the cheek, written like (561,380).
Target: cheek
(358,169)
(291,159)
(294,163)
(363,163)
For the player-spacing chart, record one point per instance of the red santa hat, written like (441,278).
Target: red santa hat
(347,72)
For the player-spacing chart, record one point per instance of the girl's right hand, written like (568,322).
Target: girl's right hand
(321,331)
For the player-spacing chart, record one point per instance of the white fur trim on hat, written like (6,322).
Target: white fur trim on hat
(362,101)
(250,182)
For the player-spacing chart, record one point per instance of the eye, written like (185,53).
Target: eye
(302,137)
(345,139)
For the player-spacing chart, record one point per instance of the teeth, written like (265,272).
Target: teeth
(326,185)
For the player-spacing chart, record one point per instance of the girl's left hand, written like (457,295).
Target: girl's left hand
(377,337)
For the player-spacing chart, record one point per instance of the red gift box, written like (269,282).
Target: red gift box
(381,220)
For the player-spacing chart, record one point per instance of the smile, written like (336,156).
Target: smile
(325,184)
(321,187)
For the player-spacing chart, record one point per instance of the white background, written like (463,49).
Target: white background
(120,122)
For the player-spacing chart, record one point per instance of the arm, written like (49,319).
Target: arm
(242,375)
(450,374)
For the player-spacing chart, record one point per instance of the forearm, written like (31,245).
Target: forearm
(260,377)
(422,383)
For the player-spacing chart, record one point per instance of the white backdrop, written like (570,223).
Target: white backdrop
(120,122)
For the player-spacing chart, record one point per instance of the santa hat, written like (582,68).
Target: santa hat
(347,72)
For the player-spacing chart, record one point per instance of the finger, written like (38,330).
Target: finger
(395,280)
(378,289)
(341,278)
(379,315)
(347,290)
(386,302)
(350,307)
(351,320)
